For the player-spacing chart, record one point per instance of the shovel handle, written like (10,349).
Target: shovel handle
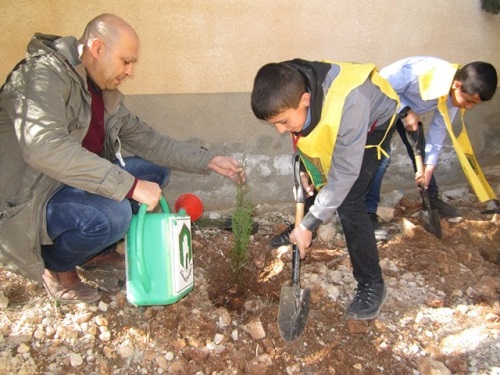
(416,139)
(299,215)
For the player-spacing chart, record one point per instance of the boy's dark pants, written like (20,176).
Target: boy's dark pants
(355,221)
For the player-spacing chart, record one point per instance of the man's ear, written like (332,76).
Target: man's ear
(305,99)
(97,48)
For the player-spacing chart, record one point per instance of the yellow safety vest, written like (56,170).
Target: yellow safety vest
(435,84)
(316,150)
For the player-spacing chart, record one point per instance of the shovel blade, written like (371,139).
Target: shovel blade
(293,311)
(430,217)
(432,223)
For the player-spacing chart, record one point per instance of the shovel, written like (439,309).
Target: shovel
(430,217)
(294,302)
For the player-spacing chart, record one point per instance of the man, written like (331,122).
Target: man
(65,189)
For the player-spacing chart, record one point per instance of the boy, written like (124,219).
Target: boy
(428,84)
(340,117)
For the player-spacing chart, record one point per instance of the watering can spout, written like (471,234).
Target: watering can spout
(189,204)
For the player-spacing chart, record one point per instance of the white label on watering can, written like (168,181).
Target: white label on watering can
(182,254)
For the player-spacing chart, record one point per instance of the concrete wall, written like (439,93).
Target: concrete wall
(198,60)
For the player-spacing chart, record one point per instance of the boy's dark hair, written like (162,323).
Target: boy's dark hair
(276,88)
(478,77)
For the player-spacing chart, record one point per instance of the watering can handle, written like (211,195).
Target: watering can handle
(139,242)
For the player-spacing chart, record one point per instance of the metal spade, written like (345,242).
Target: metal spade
(294,301)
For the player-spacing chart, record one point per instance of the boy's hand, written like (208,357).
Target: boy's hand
(228,167)
(306,184)
(422,180)
(302,237)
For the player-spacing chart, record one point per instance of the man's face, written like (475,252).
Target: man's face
(292,119)
(116,62)
(461,99)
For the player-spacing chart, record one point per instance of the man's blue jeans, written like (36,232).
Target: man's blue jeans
(82,224)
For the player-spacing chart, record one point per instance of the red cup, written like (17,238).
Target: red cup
(191,204)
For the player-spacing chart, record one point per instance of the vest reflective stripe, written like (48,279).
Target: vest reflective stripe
(316,150)
(435,84)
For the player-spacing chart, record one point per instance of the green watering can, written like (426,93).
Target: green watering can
(158,256)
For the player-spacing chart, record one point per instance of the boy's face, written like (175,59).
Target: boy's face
(461,99)
(292,119)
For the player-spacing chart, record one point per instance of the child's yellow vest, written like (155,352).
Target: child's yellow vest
(436,84)
(316,150)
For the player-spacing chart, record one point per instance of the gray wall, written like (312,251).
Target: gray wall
(225,123)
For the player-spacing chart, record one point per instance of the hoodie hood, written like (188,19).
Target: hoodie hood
(314,73)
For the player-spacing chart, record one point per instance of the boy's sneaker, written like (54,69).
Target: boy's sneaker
(444,209)
(283,238)
(367,301)
(380,233)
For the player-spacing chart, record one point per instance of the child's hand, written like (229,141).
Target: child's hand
(420,180)
(302,237)
(306,184)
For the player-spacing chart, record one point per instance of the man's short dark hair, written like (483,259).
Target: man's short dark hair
(277,87)
(478,77)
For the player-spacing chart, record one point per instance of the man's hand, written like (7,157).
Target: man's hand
(148,193)
(302,237)
(228,167)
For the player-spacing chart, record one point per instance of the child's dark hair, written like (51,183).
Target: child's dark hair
(277,87)
(478,77)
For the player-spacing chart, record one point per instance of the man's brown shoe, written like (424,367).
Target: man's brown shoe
(108,259)
(67,287)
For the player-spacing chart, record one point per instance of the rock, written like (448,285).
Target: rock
(161,362)
(218,338)
(196,354)
(317,293)
(255,329)
(253,305)
(496,219)
(486,287)
(456,364)
(391,199)
(23,348)
(428,366)
(176,366)
(408,228)
(357,326)
(433,300)
(224,317)
(103,306)
(126,349)
(386,213)
(75,359)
